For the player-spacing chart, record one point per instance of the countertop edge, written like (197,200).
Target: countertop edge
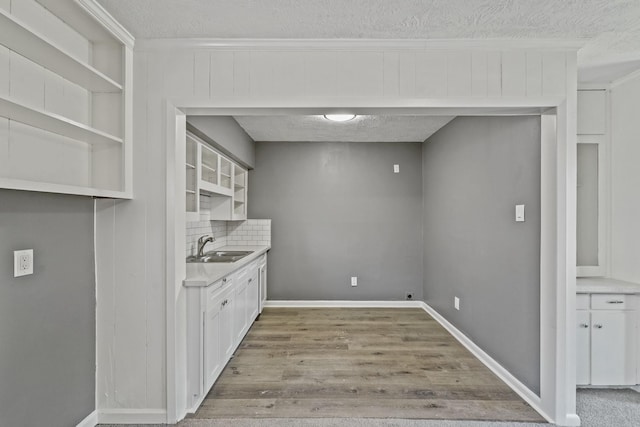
(203,275)
(605,285)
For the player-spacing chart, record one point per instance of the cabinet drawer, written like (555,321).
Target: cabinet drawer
(582,302)
(612,302)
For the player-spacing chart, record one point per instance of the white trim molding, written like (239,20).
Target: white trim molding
(90,420)
(558,45)
(522,390)
(132,416)
(342,304)
(100,14)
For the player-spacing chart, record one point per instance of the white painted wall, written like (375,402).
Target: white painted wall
(133,270)
(625,180)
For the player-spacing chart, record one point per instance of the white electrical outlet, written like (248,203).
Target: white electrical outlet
(396,168)
(22,262)
(456,303)
(354,281)
(519,213)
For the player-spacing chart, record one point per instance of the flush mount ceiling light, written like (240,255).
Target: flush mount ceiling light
(339,117)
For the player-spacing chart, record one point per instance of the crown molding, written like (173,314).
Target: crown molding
(100,14)
(563,45)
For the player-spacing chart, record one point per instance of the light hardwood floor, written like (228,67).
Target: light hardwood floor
(360,363)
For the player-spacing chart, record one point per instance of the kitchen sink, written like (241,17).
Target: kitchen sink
(219,256)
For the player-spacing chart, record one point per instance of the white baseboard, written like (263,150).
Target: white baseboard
(132,416)
(90,420)
(523,391)
(344,304)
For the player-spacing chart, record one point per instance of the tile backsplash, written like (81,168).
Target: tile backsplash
(228,233)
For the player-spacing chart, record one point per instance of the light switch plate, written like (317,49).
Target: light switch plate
(456,303)
(354,281)
(396,168)
(519,213)
(22,262)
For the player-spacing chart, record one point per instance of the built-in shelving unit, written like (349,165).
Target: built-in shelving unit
(211,174)
(191,170)
(69,65)
(240,193)
(27,42)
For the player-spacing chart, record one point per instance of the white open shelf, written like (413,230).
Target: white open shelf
(48,187)
(27,42)
(54,123)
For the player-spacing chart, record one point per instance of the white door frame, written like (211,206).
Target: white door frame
(558,191)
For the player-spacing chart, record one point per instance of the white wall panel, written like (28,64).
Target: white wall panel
(390,74)
(277,73)
(479,73)
(4,145)
(242,74)
(201,74)
(5,70)
(494,74)
(320,73)
(148,82)
(5,5)
(221,74)
(179,74)
(407,74)
(459,72)
(27,81)
(431,74)
(553,65)
(360,73)
(514,73)
(625,181)
(534,74)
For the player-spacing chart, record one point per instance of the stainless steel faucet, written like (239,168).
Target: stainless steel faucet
(202,241)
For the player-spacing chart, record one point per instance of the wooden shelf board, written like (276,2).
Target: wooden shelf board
(216,189)
(54,123)
(19,38)
(190,166)
(190,191)
(48,187)
(225,175)
(208,167)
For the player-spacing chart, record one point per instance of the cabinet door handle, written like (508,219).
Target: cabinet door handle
(615,301)
(584,325)
(224,280)
(597,326)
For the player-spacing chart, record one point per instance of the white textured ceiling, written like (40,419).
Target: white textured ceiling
(360,129)
(612,27)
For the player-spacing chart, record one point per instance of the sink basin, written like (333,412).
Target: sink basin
(219,256)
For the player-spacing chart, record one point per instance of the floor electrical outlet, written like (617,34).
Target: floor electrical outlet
(22,262)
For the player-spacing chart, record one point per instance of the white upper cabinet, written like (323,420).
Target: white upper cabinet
(65,99)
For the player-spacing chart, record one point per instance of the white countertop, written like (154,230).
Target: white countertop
(605,285)
(204,274)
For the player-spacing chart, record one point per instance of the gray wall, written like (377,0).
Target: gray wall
(47,320)
(338,210)
(224,133)
(475,170)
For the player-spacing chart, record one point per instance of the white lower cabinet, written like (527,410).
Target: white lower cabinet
(218,318)
(606,340)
